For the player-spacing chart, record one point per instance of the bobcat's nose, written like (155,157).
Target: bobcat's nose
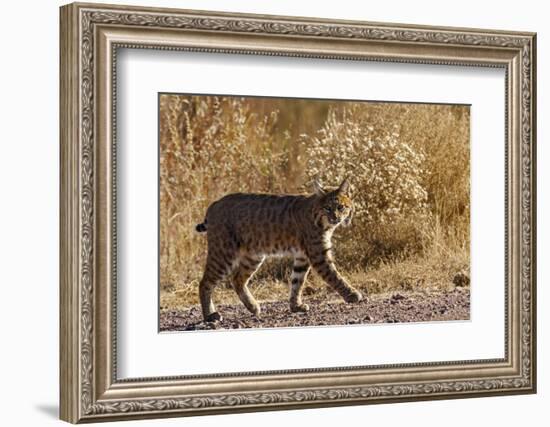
(334,220)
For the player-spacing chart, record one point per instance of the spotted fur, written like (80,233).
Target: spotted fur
(244,229)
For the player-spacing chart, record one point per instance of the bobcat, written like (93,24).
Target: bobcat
(245,228)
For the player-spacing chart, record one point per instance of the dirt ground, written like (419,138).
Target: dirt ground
(395,307)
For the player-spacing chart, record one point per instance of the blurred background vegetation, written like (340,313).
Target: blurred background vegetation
(409,166)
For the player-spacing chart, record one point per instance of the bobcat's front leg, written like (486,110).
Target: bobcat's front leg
(324,266)
(297,279)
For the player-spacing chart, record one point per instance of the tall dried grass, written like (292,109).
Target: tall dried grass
(408,164)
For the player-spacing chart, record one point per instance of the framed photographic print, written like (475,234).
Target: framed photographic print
(266,212)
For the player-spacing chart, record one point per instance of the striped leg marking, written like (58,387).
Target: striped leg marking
(297,280)
(246,269)
(218,266)
(324,266)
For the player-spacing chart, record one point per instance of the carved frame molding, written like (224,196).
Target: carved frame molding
(90,36)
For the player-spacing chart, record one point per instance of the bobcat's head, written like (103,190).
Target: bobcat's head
(333,207)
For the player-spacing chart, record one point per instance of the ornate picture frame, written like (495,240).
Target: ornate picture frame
(90,37)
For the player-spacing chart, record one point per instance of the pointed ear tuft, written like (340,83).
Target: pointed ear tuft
(318,188)
(344,186)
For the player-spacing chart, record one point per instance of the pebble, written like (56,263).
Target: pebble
(461,279)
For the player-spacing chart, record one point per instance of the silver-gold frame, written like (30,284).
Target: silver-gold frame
(90,37)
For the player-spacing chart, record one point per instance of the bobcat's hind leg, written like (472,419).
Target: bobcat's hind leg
(241,276)
(215,271)
(297,280)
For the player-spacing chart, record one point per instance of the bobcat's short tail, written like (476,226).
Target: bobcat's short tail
(201,228)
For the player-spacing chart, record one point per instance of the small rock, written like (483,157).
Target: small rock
(461,279)
(396,298)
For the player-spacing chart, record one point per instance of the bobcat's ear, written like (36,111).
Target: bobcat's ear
(318,188)
(344,187)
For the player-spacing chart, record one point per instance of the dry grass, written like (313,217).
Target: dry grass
(409,165)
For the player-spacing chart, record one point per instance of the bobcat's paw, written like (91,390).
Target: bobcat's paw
(255,309)
(214,317)
(302,308)
(353,296)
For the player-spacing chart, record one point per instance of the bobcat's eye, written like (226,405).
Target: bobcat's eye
(340,207)
(327,209)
